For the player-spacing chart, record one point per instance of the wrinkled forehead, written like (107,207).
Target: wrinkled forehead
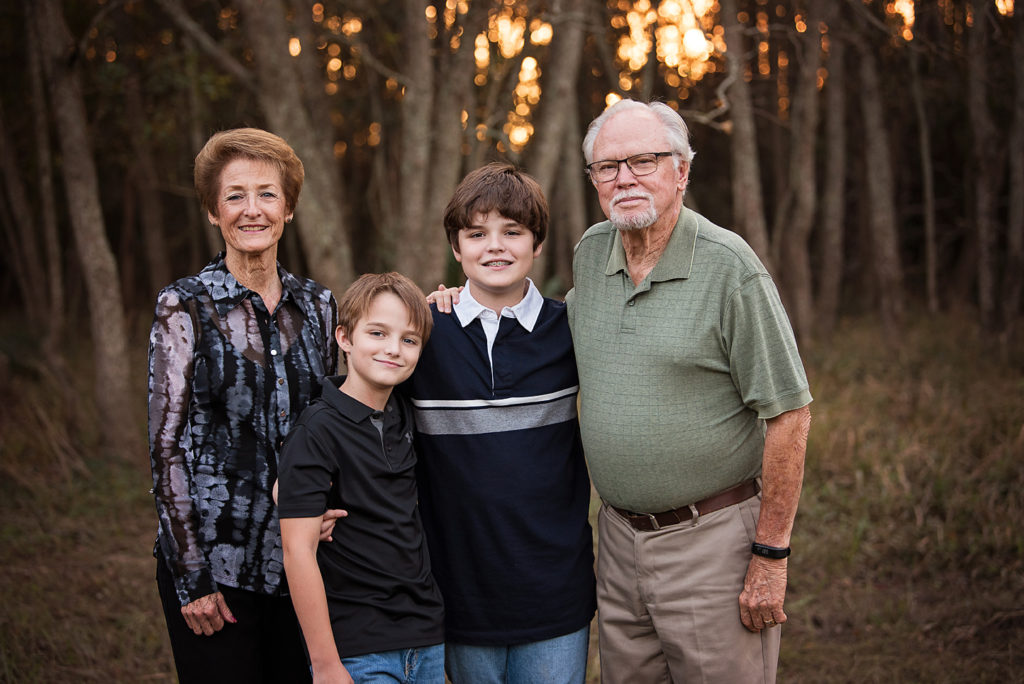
(243,171)
(631,132)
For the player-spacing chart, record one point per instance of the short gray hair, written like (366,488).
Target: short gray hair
(675,128)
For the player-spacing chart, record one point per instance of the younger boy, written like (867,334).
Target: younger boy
(367,602)
(504,489)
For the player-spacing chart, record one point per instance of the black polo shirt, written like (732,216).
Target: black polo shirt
(381,595)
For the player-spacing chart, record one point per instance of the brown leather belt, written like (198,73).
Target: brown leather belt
(646,522)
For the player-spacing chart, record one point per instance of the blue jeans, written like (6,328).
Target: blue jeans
(562,660)
(408,666)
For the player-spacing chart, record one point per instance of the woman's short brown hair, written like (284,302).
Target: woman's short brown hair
(246,143)
(499,187)
(358,298)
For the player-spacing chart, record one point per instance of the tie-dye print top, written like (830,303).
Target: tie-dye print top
(227,380)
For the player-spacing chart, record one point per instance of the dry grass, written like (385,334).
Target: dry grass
(909,547)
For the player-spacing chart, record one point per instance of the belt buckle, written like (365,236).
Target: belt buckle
(694,515)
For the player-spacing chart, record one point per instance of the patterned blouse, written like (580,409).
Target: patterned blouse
(227,380)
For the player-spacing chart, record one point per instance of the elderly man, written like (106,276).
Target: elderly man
(694,418)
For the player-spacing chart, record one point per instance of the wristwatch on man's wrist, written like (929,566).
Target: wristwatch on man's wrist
(773,552)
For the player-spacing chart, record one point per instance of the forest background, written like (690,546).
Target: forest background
(871,152)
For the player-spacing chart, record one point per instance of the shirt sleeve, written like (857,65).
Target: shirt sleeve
(763,356)
(171,368)
(305,477)
(330,318)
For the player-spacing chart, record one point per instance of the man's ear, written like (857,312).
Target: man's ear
(456,252)
(684,176)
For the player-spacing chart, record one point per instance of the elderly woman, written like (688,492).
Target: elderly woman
(236,352)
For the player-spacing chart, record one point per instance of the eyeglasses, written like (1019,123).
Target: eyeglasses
(639,164)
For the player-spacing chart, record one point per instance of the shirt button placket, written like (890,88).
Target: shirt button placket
(627,317)
(282,400)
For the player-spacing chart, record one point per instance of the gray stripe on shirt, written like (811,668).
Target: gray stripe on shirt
(478,421)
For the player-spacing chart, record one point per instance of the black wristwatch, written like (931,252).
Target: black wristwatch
(765,551)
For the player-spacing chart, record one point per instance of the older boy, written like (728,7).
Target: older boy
(366,602)
(504,489)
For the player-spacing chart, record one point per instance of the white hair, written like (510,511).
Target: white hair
(675,128)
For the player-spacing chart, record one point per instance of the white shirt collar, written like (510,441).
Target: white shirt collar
(527,311)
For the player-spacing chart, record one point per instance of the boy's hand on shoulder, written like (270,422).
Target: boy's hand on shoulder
(445,298)
(327,521)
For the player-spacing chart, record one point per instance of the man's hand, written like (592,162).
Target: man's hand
(764,592)
(207,614)
(327,521)
(444,297)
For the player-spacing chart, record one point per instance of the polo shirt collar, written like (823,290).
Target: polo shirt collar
(526,312)
(677,259)
(354,410)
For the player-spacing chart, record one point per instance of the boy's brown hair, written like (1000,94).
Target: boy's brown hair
(358,298)
(499,187)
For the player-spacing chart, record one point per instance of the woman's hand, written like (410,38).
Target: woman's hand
(207,614)
(444,297)
(330,517)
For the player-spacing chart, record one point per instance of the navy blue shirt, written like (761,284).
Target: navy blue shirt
(504,489)
(381,595)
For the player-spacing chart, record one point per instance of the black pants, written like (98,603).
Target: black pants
(265,645)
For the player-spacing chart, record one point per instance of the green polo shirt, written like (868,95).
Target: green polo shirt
(678,374)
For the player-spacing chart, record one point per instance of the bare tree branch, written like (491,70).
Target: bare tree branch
(180,16)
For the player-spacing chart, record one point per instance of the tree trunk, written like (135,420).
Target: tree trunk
(147,182)
(986,167)
(1013,278)
(320,216)
(833,197)
(748,202)
(21,236)
(418,253)
(568,208)
(106,313)
(56,315)
(879,185)
(450,137)
(558,88)
(205,239)
(126,250)
(311,72)
(792,233)
(931,264)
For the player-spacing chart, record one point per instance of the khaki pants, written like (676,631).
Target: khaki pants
(668,601)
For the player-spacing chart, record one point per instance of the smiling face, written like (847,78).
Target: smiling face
(496,254)
(639,202)
(251,208)
(381,350)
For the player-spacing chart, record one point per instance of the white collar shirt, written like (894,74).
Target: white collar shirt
(526,313)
